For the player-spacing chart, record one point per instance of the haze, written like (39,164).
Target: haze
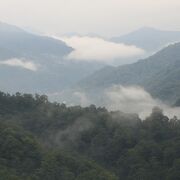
(104,17)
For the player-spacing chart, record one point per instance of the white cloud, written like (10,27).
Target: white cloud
(97,49)
(129,99)
(135,100)
(20,63)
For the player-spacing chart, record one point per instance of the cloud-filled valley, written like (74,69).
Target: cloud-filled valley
(88,48)
(89,90)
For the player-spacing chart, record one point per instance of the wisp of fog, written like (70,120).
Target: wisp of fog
(14,62)
(128,99)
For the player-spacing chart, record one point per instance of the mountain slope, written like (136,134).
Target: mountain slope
(52,73)
(158,74)
(149,39)
(28,45)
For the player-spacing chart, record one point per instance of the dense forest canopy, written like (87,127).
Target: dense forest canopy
(50,141)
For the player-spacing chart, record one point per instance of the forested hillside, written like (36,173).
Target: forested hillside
(158,74)
(43,140)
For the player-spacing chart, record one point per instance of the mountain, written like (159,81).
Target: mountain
(149,39)
(35,63)
(28,45)
(159,74)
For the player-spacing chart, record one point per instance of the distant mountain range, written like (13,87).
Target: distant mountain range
(34,63)
(158,74)
(54,71)
(149,39)
(20,43)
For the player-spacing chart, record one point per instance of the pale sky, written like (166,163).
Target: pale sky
(104,17)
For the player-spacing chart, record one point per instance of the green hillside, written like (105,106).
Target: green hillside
(158,74)
(43,140)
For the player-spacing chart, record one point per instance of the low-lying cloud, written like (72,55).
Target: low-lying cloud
(130,99)
(20,63)
(136,100)
(69,135)
(97,49)
(82,98)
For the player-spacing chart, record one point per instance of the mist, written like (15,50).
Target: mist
(29,65)
(107,18)
(128,99)
(69,135)
(88,48)
(134,99)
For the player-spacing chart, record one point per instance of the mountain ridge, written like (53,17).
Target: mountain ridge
(28,45)
(54,72)
(158,74)
(150,39)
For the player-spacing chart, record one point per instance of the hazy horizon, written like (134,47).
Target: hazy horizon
(106,18)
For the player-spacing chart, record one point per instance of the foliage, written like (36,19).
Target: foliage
(44,140)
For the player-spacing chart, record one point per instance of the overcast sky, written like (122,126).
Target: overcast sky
(104,17)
